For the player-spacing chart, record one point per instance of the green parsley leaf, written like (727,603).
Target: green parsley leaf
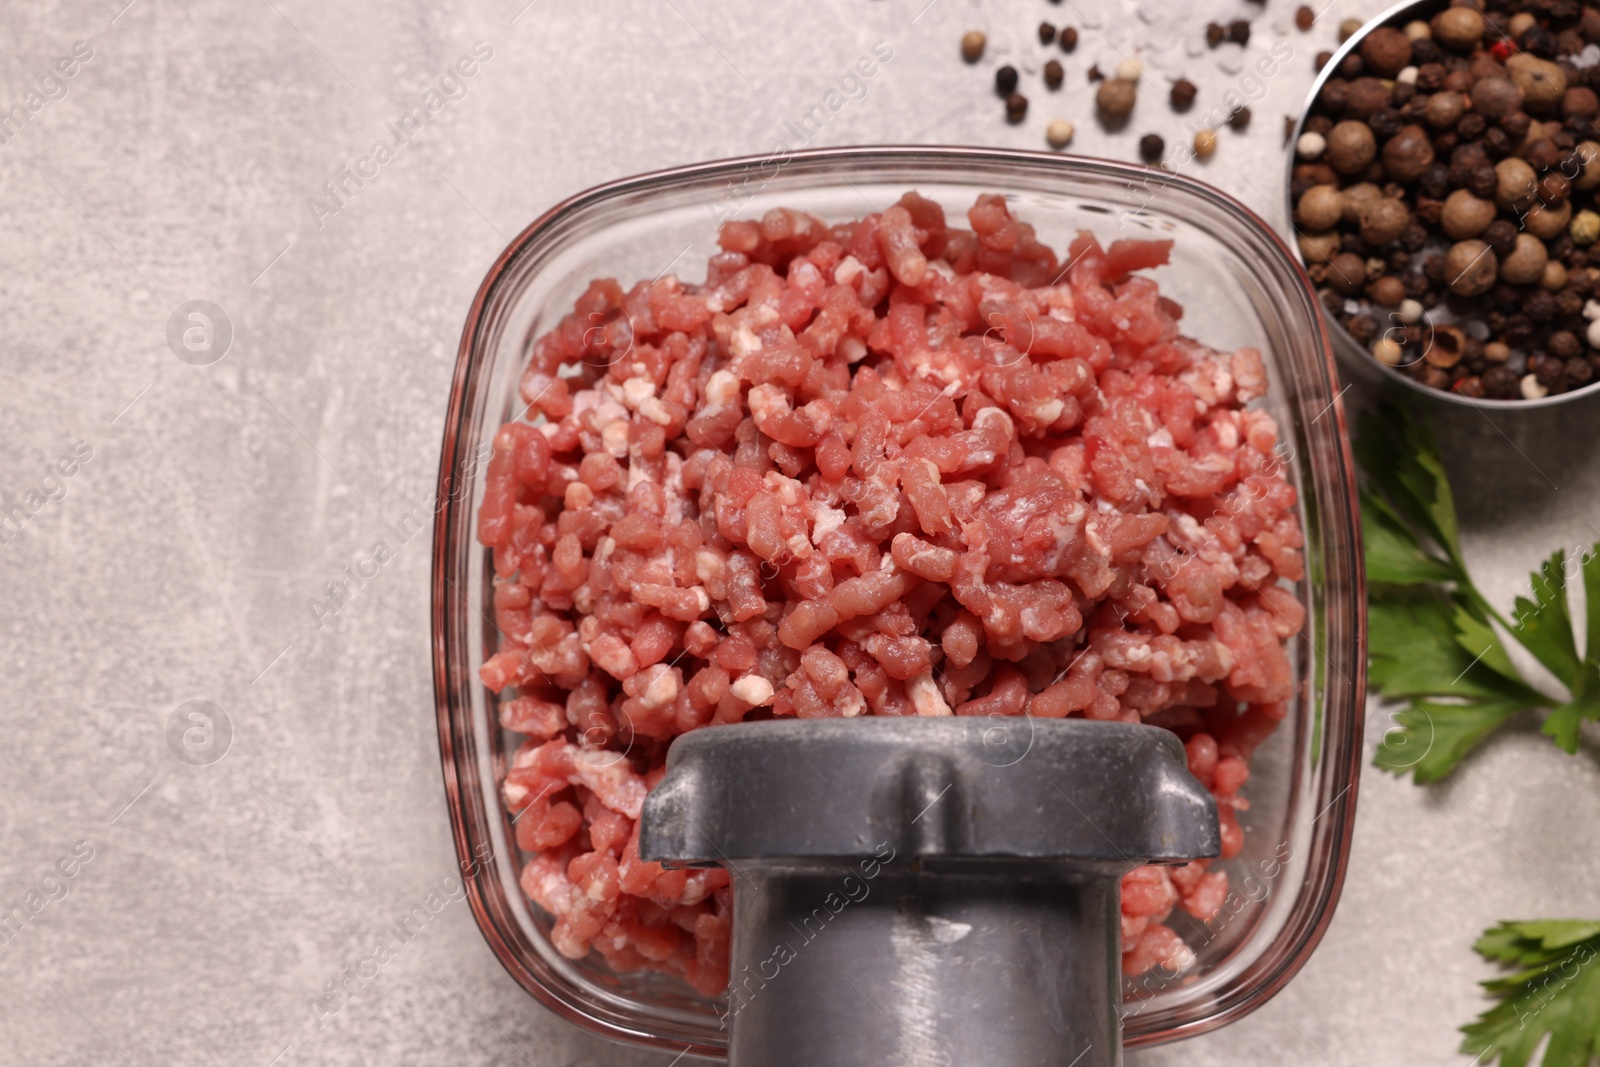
(1393,555)
(1399,454)
(1418,649)
(1430,739)
(1543,624)
(1590,565)
(1562,723)
(1555,992)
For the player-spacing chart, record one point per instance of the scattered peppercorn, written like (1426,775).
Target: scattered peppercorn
(1059,133)
(1068,39)
(1016,108)
(1005,80)
(1047,33)
(1322,60)
(972,45)
(1053,74)
(1304,17)
(1151,147)
(1205,143)
(1183,93)
(1240,119)
(1216,33)
(1114,101)
(1239,31)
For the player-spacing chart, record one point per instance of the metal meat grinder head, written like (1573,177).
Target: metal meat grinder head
(922,892)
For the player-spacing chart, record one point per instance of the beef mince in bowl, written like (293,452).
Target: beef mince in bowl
(892,466)
(867,451)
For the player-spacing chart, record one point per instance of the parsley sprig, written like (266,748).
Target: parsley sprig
(1554,989)
(1435,643)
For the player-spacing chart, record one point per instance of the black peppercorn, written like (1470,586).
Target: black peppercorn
(1016,108)
(1362,328)
(1500,382)
(1151,147)
(1047,33)
(1385,123)
(1053,75)
(1579,371)
(1563,345)
(1183,93)
(1240,119)
(1005,80)
(1501,236)
(1322,59)
(1496,142)
(1539,306)
(1068,39)
(1414,238)
(1239,31)
(1482,182)
(1540,41)
(1472,125)
(1516,125)
(1415,282)
(1216,33)
(1519,328)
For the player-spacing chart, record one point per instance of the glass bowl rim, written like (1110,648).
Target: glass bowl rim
(1342,758)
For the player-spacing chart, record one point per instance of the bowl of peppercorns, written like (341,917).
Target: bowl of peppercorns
(1444,184)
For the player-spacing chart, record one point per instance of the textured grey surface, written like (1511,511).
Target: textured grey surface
(178,563)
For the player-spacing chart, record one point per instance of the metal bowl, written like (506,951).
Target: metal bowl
(1354,356)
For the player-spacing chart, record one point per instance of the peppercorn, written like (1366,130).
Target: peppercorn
(1205,143)
(1458,28)
(1053,75)
(1362,328)
(1482,181)
(1383,221)
(1215,34)
(1151,147)
(1016,108)
(1516,125)
(1047,33)
(1386,51)
(1435,181)
(1095,74)
(1444,109)
(1525,264)
(1366,97)
(1585,227)
(1348,29)
(1423,50)
(1539,41)
(1563,345)
(1182,95)
(1579,371)
(1554,188)
(1542,82)
(1114,100)
(1058,133)
(1388,291)
(1469,268)
(1415,238)
(1539,306)
(1429,210)
(1407,154)
(972,45)
(1351,66)
(1579,102)
(1548,221)
(1240,119)
(1501,235)
(1068,38)
(1496,142)
(1239,31)
(1005,81)
(1347,273)
(1500,383)
(1385,123)
(1322,59)
(1472,126)
(1465,215)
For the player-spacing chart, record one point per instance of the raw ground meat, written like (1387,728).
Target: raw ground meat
(883,467)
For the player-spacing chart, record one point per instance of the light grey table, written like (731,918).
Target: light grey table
(211,905)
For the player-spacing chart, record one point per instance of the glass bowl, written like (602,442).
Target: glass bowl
(1353,355)
(1239,286)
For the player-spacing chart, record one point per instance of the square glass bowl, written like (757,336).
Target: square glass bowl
(1239,286)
